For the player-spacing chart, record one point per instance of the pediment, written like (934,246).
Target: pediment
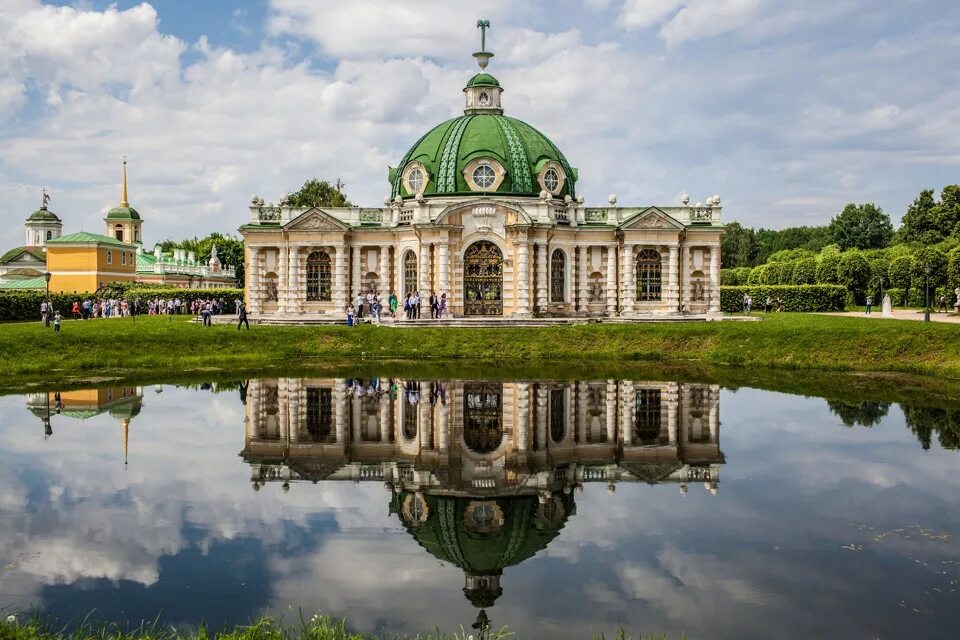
(652,218)
(315,220)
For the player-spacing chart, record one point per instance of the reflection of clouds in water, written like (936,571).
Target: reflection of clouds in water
(796,486)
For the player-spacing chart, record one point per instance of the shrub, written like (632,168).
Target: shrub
(804,271)
(790,255)
(771,275)
(853,272)
(953,268)
(795,298)
(827,265)
(757,275)
(879,268)
(786,272)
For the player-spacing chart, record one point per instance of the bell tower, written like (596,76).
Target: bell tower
(123,222)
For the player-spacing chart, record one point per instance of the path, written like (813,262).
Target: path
(900,314)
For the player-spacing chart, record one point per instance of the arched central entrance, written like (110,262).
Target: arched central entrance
(483,280)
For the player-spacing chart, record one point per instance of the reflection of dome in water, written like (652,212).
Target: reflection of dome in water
(482,536)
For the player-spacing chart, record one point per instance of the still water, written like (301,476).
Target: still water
(557,509)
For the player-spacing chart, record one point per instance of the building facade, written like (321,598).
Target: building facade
(83,262)
(482,474)
(484,208)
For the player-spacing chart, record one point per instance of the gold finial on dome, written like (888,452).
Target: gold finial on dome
(123,189)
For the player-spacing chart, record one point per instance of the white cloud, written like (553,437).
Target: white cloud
(778,119)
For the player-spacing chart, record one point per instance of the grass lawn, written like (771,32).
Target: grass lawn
(163,347)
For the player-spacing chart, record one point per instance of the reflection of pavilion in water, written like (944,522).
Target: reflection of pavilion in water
(482,473)
(121,402)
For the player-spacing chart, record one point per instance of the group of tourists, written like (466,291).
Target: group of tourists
(371,306)
(769,305)
(414,391)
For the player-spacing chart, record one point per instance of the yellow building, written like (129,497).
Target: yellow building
(83,262)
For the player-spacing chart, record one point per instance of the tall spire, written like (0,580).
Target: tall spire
(123,190)
(483,56)
(125,430)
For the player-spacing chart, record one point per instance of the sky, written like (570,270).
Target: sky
(788,109)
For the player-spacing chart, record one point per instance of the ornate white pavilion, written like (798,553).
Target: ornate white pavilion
(484,208)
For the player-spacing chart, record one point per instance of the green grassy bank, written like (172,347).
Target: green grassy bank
(316,628)
(159,347)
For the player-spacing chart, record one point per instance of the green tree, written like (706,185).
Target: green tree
(937,261)
(319,193)
(861,226)
(853,272)
(758,275)
(866,414)
(920,222)
(737,246)
(804,271)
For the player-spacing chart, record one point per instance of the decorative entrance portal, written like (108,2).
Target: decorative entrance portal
(483,280)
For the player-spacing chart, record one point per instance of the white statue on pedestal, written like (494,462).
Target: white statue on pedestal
(887,311)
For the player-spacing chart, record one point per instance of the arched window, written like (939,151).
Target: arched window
(649,277)
(409,273)
(558,275)
(558,415)
(118,232)
(646,419)
(319,414)
(318,277)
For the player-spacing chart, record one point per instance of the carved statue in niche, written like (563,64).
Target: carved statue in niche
(596,287)
(270,289)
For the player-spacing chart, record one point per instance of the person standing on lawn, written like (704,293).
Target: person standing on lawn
(242,317)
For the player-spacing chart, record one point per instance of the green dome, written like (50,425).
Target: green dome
(123,213)
(483,79)
(447,149)
(524,532)
(43,215)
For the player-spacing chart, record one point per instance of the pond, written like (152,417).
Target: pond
(558,509)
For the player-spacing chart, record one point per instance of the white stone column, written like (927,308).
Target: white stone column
(339,292)
(611,280)
(542,435)
(523,275)
(283,280)
(443,270)
(626,274)
(673,297)
(294,297)
(384,272)
(684,274)
(542,277)
(715,279)
(582,278)
(423,276)
(340,411)
(610,398)
(356,276)
(253,281)
(386,425)
(523,416)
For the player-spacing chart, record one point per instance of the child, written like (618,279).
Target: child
(56,322)
(349,316)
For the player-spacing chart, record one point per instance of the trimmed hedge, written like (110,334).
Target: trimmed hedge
(816,297)
(898,297)
(25,305)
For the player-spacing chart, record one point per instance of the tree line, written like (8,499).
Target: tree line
(859,249)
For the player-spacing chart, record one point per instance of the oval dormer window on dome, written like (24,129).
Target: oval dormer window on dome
(415,178)
(552,178)
(484,174)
